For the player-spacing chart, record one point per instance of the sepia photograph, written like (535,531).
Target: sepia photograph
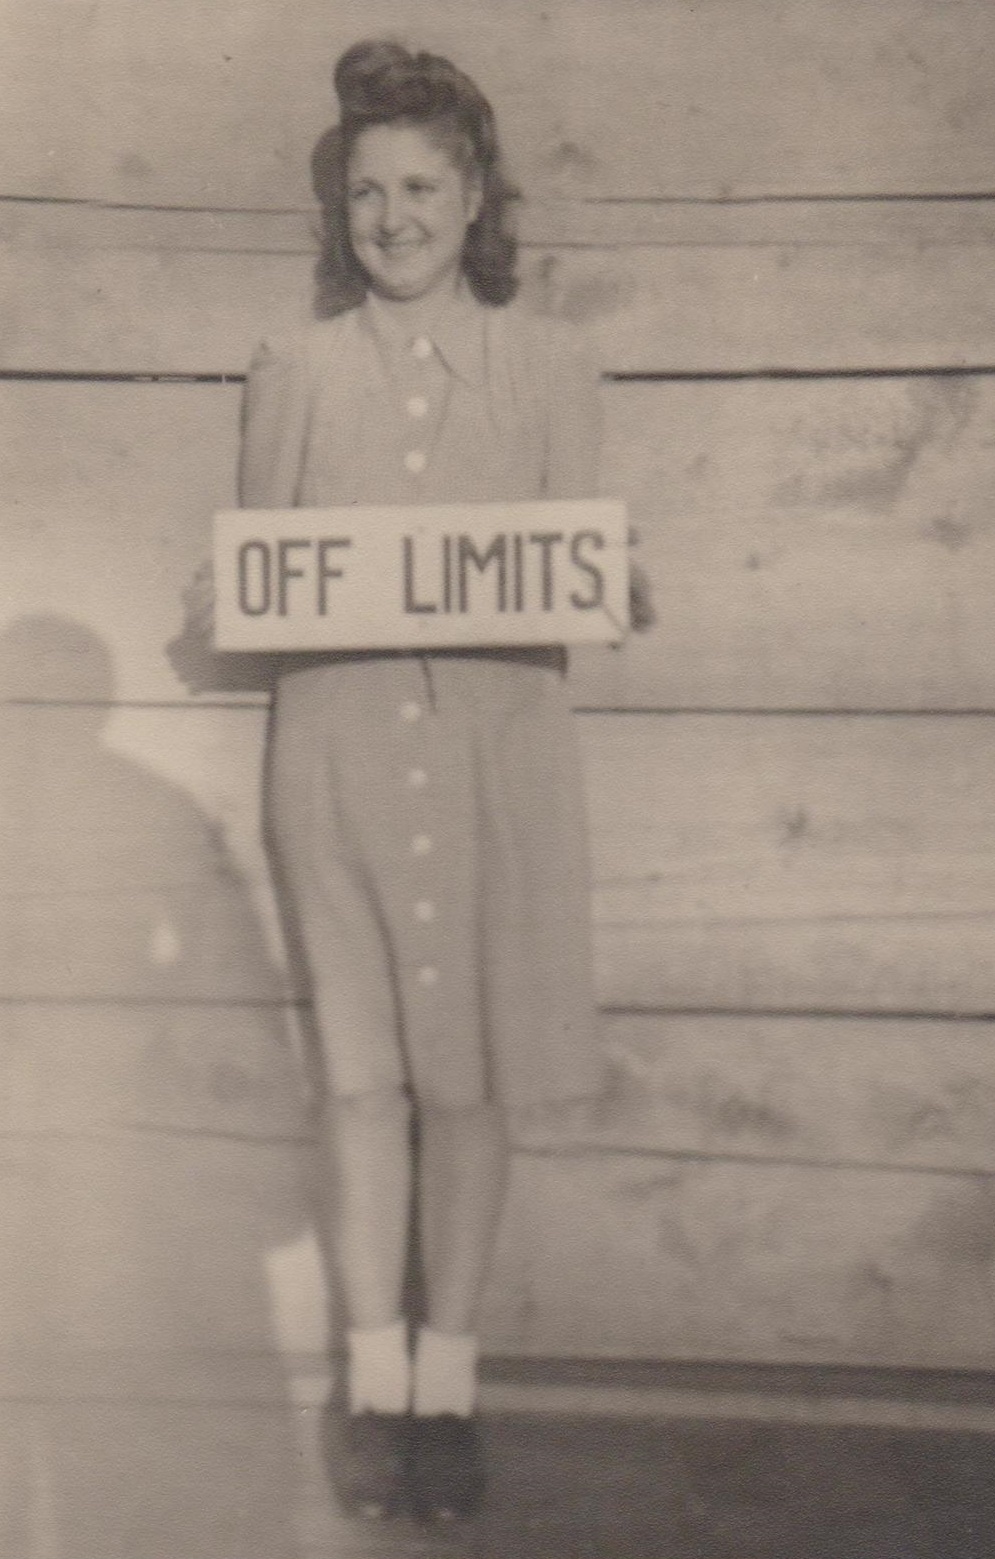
(497,835)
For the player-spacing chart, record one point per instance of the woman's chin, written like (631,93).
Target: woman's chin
(400,291)
(407,285)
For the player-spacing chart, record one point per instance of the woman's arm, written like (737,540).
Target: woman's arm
(274,429)
(274,426)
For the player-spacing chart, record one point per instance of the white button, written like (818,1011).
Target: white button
(421,844)
(424,910)
(421,346)
(416,460)
(428,975)
(411,712)
(418,406)
(417,779)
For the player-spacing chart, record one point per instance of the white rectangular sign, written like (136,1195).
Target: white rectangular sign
(394,577)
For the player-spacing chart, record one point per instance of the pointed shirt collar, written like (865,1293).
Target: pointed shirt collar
(457,333)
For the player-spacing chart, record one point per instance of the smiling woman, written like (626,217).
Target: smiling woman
(441,120)
(425,809)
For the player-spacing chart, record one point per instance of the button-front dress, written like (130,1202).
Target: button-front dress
(426,808)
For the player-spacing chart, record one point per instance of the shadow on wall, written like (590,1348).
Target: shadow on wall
(154,1147)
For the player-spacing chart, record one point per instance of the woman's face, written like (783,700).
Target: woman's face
(409,208)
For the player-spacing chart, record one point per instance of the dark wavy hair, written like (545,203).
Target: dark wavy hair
(379,82)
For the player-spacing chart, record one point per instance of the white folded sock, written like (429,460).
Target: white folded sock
(379,1369)
(445,1376)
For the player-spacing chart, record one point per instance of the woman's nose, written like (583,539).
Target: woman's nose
(393,212)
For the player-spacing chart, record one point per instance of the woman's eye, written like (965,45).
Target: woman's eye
(420,186)
(361,192)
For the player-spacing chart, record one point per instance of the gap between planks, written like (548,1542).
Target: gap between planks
(253,704)
(587,1150)
(890,1015)
(620,376)
(759,198)
(543,221)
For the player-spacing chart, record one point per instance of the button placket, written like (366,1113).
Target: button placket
(418,406)
(420,936)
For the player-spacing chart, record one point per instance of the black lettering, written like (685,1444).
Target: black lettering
(468,555)
(259,603)
(518,551)
(410,604)
(596,540)
(327,544)
(546,541)
(284,571)
(447,573)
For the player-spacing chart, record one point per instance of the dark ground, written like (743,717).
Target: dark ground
(602,1462)
(654,1487)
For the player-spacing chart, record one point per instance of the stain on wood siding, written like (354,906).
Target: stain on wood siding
(739,1261)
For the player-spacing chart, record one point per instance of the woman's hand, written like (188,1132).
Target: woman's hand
(203,668)
(642,614)
(191,653)
(198,601)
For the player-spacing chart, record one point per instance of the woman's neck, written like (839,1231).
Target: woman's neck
(421,314)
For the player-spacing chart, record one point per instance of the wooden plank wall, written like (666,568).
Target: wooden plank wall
(777,224)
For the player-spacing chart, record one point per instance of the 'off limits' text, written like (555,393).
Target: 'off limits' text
(512,572)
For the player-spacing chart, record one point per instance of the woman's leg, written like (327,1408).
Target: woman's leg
(462,1177)
(461,1186)
(463,1164)
(367,1151)
(319,755)
(366,1147)
(367,1206)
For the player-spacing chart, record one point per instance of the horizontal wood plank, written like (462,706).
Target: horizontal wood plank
(720,309)
(116,881)
(804,862)
(890,1093)
(120,1244)
(117,1239)
(637,1257)
(545,221)
(674,307)
(230,1072)
(886,1093)
(739,99)
(747,862)
(221,106)
(108,494)
(810,545)
(817,545)
(146,310)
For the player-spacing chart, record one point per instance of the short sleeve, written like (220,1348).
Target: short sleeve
(576,419)
(275,410)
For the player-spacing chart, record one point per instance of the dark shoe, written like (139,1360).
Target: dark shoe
(446,1468)
(365,1455)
